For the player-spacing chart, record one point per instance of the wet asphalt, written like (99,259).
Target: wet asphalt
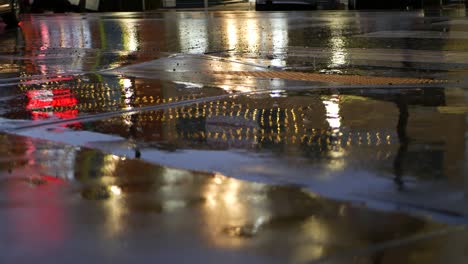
(236,136)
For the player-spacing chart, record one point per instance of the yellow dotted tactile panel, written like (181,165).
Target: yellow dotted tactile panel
(330,78)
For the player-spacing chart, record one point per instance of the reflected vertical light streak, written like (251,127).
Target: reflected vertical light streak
(193,35)
(232,33)
(114,206)
(86,34)
(333,118)
(45,36)
(128,92)
(252,34)
(337,44)
(332,108)
(280,40)
(130,36)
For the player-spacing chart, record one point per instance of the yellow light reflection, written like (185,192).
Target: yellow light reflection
(231,194)
(116,190)
(333,117)
(337,44)
(232,34)
(109,164)
(130,35)
(280,40)
(193,35)
(252,34)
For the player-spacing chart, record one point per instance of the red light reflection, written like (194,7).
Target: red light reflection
(42,100)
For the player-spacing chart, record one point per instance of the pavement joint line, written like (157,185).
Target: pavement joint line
(165,106)
(391,244)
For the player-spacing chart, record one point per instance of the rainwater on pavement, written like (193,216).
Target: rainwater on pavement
(266,137)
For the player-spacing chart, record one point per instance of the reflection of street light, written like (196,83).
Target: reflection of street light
(280,40)
(252,33)
(337,44)
(193,35)
(116,190)
(130,36)
(231,31)
(332,108)
(333,117)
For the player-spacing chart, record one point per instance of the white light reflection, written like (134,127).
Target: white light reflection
(232,34)
(193,35)
(277,93)
(337,44)
(114,206)
(280,40)
(332,108)
(128,93)
(116,190)
(333,117)
(130,36)
(252,34)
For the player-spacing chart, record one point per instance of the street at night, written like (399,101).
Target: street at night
(235,136)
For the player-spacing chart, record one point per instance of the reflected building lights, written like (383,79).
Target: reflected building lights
(128,93)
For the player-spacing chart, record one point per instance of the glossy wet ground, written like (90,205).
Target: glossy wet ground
(76,204)
(241,136)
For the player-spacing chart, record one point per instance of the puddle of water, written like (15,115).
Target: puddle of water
(395,140)
(104,198)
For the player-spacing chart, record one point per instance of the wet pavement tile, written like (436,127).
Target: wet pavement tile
(80,204)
